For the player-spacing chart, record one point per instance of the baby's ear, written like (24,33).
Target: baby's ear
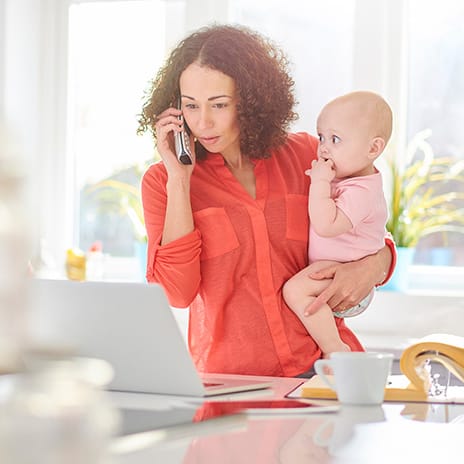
(376,147)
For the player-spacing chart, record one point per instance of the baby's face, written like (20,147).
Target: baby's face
(344,138)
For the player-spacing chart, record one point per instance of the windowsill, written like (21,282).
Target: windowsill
(115,269)
(424,280)
(436,280)
(433,303)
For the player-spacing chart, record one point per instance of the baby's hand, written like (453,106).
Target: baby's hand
(321,169)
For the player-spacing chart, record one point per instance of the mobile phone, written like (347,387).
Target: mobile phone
(182,143)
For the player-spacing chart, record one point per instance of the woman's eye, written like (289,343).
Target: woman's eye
(190,106)
(335,139)
(321,138)
(220,105)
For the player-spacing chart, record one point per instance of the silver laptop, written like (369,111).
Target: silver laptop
(131,326)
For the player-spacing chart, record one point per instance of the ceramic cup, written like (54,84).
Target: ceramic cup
(358,377)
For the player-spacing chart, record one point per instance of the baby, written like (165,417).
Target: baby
(347,208)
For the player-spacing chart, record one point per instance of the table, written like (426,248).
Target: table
(390,433)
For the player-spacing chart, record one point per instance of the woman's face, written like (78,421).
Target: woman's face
(209,105)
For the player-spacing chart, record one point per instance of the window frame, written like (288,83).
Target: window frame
(53,174)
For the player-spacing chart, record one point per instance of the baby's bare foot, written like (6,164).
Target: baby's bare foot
(326,355)
(336,347)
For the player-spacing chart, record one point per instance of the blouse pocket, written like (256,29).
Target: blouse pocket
(217,234)
(297,217)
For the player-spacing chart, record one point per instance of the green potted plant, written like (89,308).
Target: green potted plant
(423,198)
(125,198)
(130,203)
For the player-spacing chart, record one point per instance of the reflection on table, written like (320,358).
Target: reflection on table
(393,432)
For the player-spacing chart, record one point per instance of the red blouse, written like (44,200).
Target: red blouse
(231,268)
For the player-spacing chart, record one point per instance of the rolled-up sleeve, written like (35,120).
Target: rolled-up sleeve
(391,244)
(176,265)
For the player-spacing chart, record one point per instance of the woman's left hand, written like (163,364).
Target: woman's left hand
(352,281)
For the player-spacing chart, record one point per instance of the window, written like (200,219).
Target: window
(410,54)
(319,45)
(109,68)
(436,102)
(332,54)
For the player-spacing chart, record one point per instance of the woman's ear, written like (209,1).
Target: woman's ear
(376,147)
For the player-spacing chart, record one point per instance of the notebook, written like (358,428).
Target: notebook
(131,326)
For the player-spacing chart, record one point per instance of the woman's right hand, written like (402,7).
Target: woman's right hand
(178,220)
(167,124)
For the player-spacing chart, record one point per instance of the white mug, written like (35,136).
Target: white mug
(358,377)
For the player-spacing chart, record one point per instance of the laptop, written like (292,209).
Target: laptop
(131,326)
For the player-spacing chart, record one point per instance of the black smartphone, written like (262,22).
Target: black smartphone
(182,143)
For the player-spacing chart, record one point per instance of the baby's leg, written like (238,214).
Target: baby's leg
(299,292)
(321,326)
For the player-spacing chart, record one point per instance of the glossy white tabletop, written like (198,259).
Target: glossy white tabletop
(391,433)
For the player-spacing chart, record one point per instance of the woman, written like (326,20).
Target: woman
(227,231)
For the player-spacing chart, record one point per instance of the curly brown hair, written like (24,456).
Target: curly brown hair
(259,69)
